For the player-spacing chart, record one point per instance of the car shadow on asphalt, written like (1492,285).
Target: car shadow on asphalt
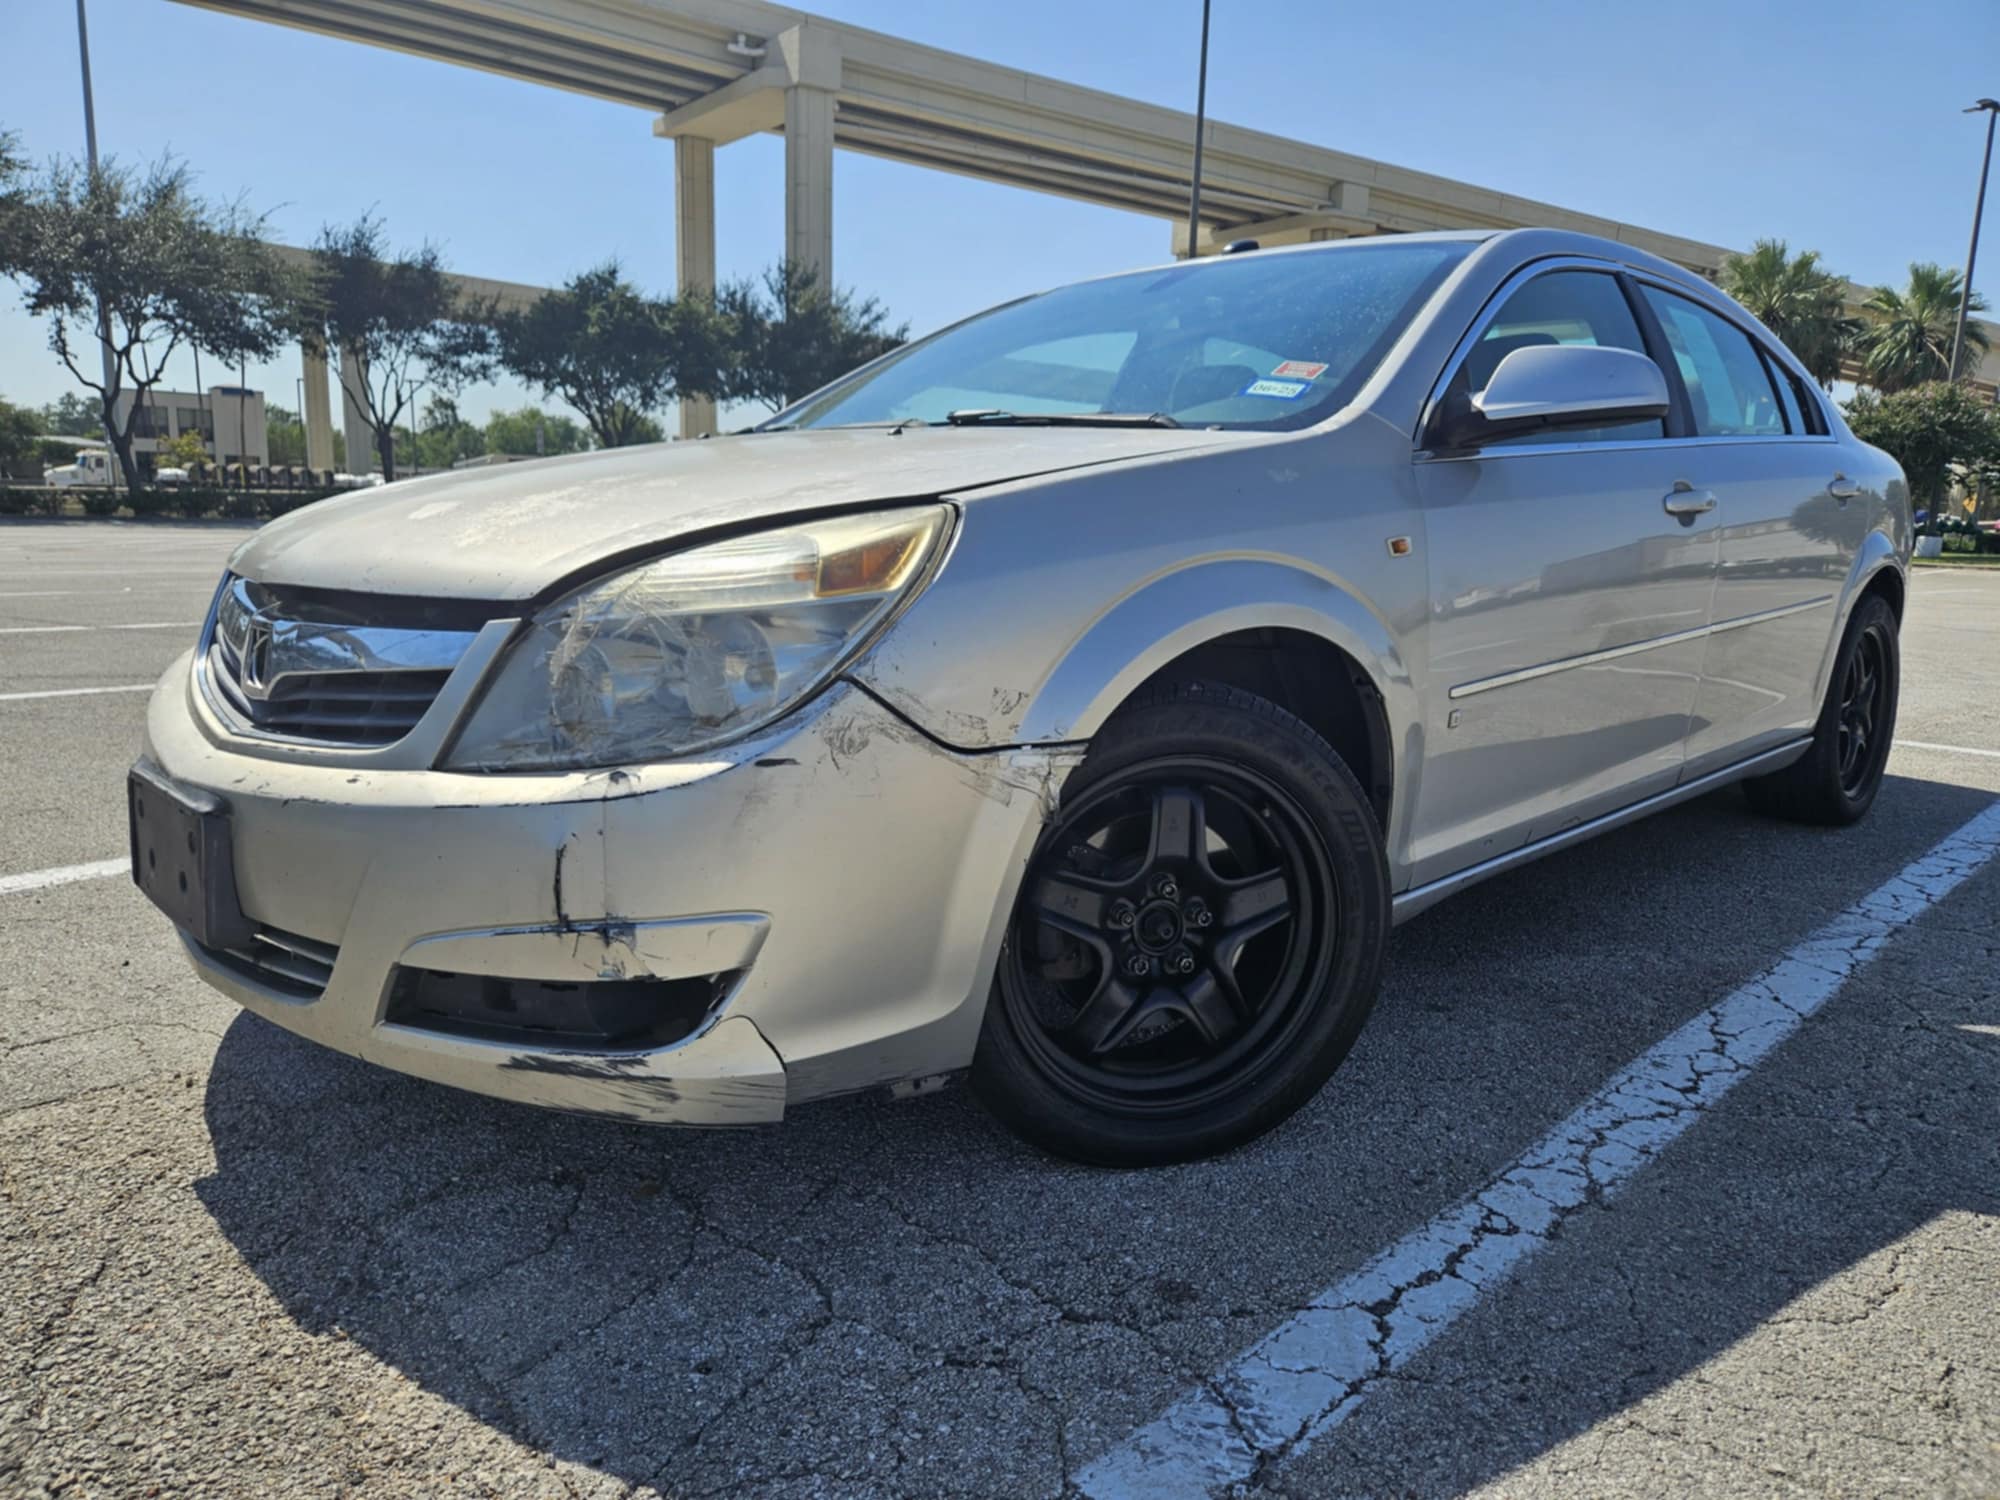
(902,1298)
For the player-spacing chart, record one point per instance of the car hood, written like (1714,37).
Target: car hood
(512,531)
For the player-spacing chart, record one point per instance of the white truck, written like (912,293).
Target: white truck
(93,466)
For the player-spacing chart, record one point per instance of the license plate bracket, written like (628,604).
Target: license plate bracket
(182,857)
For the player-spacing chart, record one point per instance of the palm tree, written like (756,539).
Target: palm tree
(1799,300)
(1909,338)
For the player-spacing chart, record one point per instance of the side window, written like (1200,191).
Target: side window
(1804,398)
(1727,384)
(1562,307)
(1788,395)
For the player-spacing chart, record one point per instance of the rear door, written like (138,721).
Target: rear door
(1760,446)
(1569,606)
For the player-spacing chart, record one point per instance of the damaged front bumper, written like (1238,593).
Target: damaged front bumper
(829,899)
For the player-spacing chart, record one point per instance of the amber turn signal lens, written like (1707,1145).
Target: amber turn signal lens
(872,568)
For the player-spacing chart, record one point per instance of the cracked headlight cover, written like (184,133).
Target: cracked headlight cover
(697,647)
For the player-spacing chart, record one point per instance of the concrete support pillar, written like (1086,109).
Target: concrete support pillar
(318,415)
(809,179)
(354,411)
(694,245)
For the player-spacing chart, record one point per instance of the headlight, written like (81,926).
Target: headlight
(697,648)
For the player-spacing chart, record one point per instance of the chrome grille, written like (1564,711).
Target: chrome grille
(294,966)
(297,671)
(347,708)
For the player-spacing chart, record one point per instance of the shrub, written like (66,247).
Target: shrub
(278,503)
(243,506)
(195,501)
(100,502)
(16,502)
(150,503)
(50,502)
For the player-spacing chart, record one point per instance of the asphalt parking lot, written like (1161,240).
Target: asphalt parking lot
(234,1264)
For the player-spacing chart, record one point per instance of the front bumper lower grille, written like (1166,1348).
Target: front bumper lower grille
(295,967)
(586,1016)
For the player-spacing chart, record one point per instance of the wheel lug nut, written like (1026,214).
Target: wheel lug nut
(1182,961)
(1197,913)
(1165,886)
(1137,967)
(1121,914)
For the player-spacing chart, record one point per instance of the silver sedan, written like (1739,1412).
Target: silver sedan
(1077,696)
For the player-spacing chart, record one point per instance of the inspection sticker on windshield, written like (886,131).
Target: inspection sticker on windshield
(1284,390)
(1300,369)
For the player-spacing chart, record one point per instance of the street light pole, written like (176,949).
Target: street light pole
(90,150)
(89,109)
(1200,120)
(1991,107)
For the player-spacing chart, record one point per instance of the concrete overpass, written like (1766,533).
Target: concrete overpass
(716,71)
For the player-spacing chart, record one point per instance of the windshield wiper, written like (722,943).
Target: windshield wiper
(988,416)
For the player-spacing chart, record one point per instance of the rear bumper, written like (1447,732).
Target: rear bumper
(842,879)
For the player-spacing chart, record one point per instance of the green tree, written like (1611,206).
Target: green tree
(648,430)
(786,335)
(69,415)
(141,262)
(445,437)
(1799,300)
(1908,338)
(20,442)
(285,435)
(182,452)
(13,195)
(1935,431)
(611,352)
(401,316)
(531,431)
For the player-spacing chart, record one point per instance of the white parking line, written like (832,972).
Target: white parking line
(90,692)
(69,629)
(38,880)
(1945,749)
(1313,1370)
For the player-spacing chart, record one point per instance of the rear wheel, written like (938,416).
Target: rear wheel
(1197,941)
(1835,781)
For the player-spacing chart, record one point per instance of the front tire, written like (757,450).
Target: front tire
(1835,781)
(1198,939)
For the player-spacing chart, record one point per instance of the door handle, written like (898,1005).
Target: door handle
(1685,502)
(1843,489)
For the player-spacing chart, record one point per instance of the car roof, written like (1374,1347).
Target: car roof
(1525,244)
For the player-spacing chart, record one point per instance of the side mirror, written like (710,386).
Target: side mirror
(1553,387)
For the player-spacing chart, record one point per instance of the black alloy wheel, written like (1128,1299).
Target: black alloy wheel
(1171,927)
(1836,780)
(1864,692)
(1196,941)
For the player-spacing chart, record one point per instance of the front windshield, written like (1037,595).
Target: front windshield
(1254,341)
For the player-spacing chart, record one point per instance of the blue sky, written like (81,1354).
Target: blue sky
(1834,125)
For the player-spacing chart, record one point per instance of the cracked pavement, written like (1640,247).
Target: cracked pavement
(232,1263)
